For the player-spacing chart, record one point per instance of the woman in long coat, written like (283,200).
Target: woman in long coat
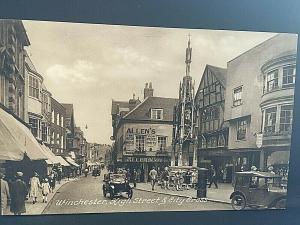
(18,195)
(5,196)
(34,187)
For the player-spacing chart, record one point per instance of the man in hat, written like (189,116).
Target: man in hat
(213,177)
(18,195)
(5,196)
(34,187)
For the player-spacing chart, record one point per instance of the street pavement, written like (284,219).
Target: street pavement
(85,196)
(222,194)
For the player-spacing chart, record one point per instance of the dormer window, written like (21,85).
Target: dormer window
(156,114)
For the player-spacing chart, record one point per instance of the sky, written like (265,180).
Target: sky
(91,64)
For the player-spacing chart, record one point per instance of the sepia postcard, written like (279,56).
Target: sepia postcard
(99,118)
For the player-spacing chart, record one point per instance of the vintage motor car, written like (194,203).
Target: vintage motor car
(258,190)
(115,184)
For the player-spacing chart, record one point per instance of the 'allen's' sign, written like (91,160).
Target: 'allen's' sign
(140,131)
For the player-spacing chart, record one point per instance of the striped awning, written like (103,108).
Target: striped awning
(16,140)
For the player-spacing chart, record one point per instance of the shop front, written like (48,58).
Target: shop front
(143,165)
(221,159)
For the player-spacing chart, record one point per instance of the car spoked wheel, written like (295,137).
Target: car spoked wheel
(130,194)
(281,204)
(111,195)
(238,202)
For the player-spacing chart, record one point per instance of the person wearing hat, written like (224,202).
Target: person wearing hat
(212,177)
(5,196)
(45,190)
(34,187)
(18,195)
(271,169)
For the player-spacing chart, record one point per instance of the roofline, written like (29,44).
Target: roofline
(135,108)
(34,72)
(258,45)
(206,67)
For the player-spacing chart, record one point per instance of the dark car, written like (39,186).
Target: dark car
(96,172)
(115,184)
(258,190)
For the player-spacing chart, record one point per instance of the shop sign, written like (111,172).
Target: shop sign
(259,140)
(146,159)
(141,131)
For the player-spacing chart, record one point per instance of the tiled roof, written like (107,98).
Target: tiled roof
(219,72)
(142,111)
(120,104)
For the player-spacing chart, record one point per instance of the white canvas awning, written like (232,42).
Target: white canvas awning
(62,161)
(17,140)
(71,161)
(52,160)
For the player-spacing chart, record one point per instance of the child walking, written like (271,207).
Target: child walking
(45,190)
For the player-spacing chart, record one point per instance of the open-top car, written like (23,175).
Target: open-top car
(258,190)
(115,184)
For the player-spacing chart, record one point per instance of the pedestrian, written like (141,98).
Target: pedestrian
(139,175)
(270,169)
(134,177)
(128,175)
(177,181)
(213,177)
(86,171)
(5,195)
(34,187)
(225,175)
(52,181)
(59,175)
(194,178)
(18,195)
(45,190)
(165,178)
(153,177)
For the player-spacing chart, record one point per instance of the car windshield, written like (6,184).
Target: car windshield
(117,177)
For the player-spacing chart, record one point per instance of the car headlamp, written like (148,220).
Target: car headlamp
(112,186)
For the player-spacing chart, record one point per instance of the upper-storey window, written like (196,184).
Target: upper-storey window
(286,118)
(271,81)
(237,96)
(157,114)
(241,129)
(162,143)
(34,87)
(270,120)
(288,76)
(140,142)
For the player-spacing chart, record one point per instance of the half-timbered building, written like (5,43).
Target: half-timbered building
(212,131)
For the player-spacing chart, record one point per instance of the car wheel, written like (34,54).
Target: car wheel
(281,204)
(238,202)
(130,194)
(111,195)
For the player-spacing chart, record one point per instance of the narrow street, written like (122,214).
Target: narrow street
(85,196)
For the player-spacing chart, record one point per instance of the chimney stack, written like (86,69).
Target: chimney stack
(148,90)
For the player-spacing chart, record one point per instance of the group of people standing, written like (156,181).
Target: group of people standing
(15,193)
(177,179)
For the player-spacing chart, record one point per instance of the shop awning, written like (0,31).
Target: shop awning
(71,161)
(62,161)
(17,140)
(52,160)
